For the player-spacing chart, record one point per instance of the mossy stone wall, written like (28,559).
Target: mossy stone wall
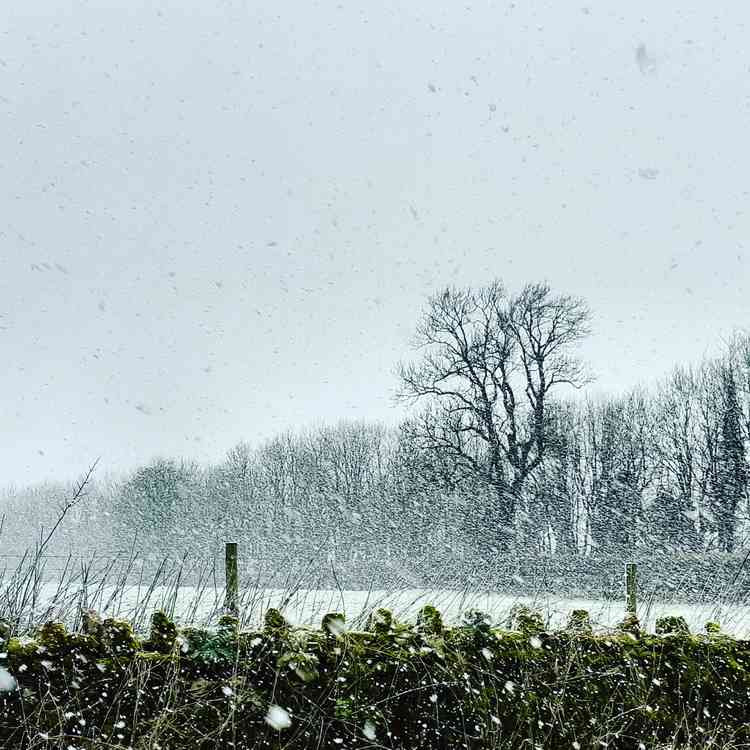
(392,685)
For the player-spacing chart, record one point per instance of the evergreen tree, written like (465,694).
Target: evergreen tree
(731,480)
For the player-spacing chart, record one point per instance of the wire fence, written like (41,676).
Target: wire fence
(686,576)
(36,588)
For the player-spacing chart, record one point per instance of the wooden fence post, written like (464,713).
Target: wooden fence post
(232,579)
(630,589)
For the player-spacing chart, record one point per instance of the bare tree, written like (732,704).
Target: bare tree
(555,503)
(488,366)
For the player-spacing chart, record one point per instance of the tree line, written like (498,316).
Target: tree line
(502,452)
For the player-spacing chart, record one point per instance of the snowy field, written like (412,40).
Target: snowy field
(202,606)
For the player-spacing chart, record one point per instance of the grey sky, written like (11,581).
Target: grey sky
(219,220)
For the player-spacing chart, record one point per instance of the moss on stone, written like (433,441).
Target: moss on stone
(229,623)
(380,621)
(475,618)
(630,625)
(525,620)
(21,648)
(429,621)
(154,657)
(672,626)
(162,635)
(118,638)
(579,621)
(53,636)
(274,621)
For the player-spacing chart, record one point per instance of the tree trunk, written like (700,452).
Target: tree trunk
(505,516)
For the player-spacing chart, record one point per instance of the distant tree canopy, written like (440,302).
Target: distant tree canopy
(495,456)
(152,502)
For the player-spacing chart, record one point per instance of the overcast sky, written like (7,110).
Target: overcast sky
(219,220)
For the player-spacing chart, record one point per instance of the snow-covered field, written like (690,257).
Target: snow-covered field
(190,604)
